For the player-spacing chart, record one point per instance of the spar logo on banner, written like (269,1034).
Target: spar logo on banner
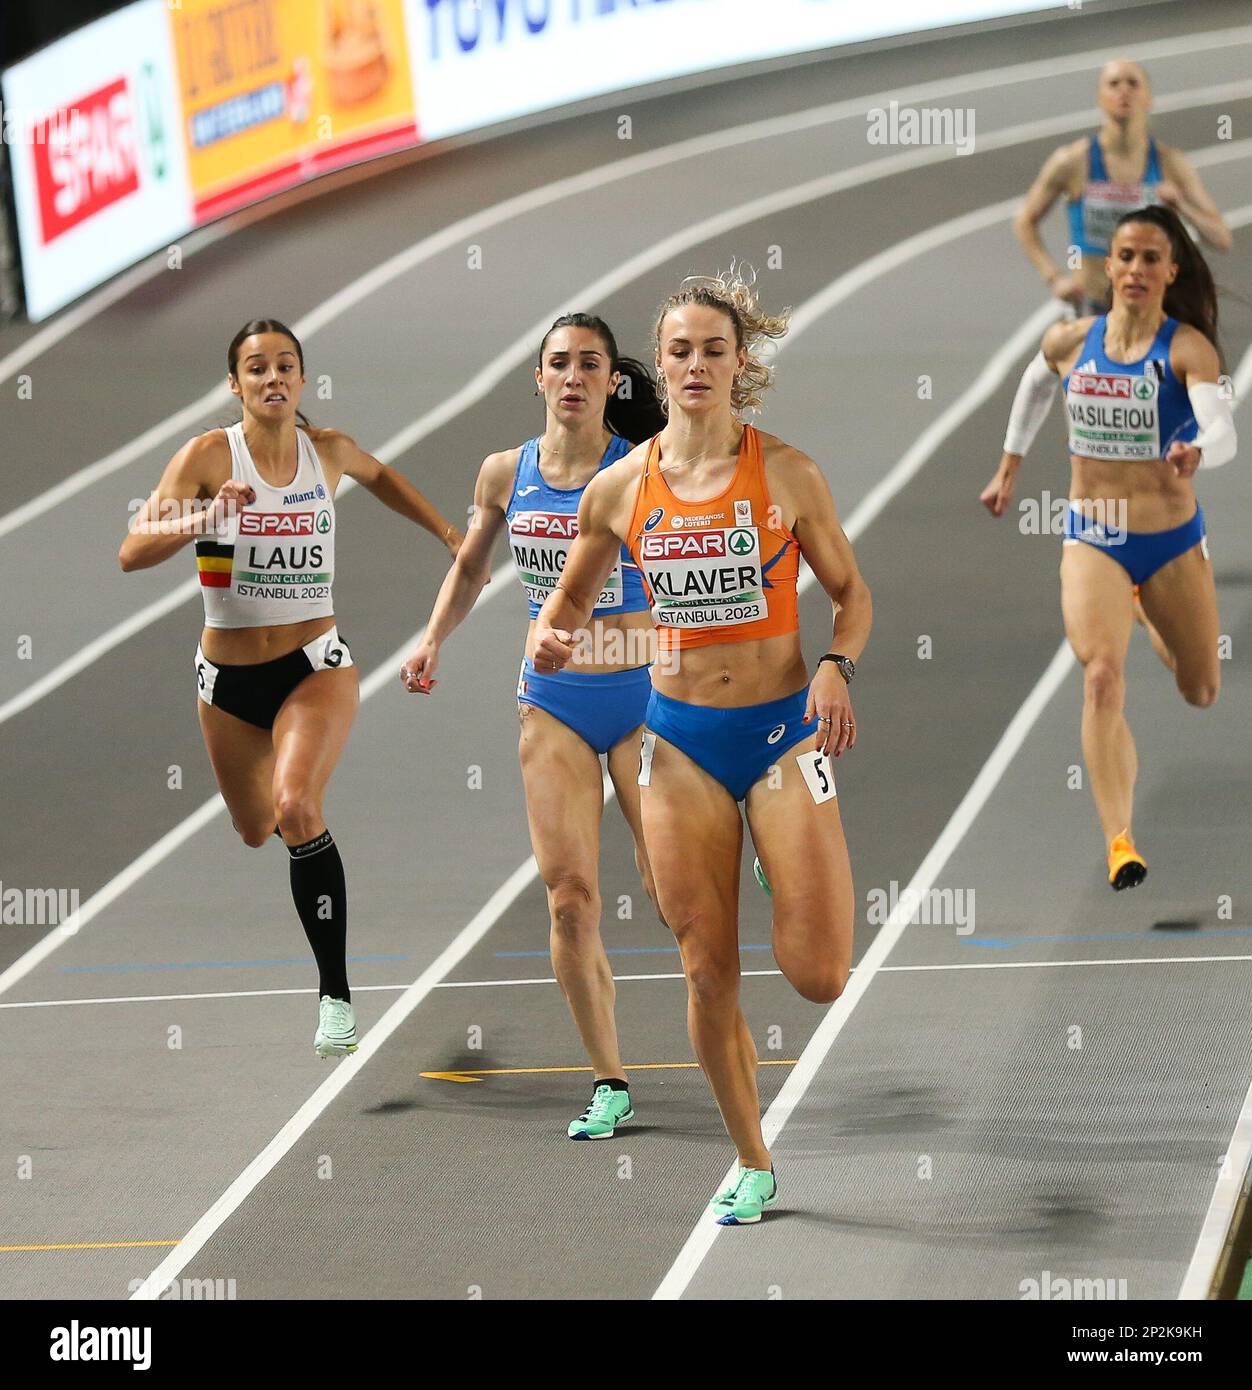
(91,126)
(85,158)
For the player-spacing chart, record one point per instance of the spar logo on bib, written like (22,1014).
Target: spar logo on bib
(1112,388)
(278,523)
(557,526)
(1093,384)
(694,545)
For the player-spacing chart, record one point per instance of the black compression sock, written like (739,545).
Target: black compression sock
(615,1082)
(321,898)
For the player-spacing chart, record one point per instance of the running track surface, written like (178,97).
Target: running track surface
(1053,1090)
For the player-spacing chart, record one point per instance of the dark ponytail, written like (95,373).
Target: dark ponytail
(264,326)
(633,411)
(1192,298)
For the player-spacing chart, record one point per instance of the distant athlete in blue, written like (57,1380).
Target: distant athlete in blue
(569,718)
(1104,176)
(1145,412)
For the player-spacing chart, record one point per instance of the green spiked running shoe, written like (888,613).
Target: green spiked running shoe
(607,1110)
(760,877)
(742,1203)
(336,1028)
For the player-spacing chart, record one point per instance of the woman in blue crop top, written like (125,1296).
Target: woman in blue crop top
(1103,176)
(598,405)
(1145,410)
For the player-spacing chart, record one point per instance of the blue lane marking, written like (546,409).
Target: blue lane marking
(627,951)
(1009,943)
(203,964)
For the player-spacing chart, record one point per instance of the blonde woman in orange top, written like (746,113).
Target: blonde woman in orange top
(717,515)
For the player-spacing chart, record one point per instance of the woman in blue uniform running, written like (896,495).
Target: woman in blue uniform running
(277,686)
(1145,412)
(1102,177)
(569,718)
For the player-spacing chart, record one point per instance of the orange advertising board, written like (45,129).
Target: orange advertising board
(277,91)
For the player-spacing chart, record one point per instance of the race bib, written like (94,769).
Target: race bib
(280,555)
(1104,203)
(705,578)
(1113,417)
(540,542)
(646,749)
(818,774)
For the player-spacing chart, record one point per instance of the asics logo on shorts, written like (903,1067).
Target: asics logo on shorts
(776,734)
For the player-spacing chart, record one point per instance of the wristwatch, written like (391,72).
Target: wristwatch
(847,667)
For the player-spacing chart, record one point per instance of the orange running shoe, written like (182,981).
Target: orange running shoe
(1127,867)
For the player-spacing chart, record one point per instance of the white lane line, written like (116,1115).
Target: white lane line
(702,1236)
(456,950)
(138,275)
(112,890)
(1046,69)
(481,384)
(454,237)
(619,979)
(1231,1183)
(1064,964)
(91,652)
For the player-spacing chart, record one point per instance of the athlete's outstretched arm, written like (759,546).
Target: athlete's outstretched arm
(468,574)
(391,488)
(591,560)
(1030,408)
(186,503)
(1183,191)
(829,554)
(1197,365)
(1047,188)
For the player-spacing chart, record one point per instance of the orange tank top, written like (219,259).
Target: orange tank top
(715,570)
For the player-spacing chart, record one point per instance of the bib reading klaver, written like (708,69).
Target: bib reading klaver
(716,570)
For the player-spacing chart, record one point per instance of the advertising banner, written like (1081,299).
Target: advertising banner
(172,113)
(277,91)
(476,62)
(99,175)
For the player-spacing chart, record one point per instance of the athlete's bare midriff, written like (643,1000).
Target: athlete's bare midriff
(727,675)
(248,646)
(1154,496)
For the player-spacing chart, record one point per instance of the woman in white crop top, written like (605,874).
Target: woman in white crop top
(277,686)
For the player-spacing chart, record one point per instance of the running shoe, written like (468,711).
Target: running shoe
(1127,867)
(760,877)
(608,1109)
(336,1028)
(742,1203)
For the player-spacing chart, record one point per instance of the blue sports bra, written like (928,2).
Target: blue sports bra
(1126,411)
(1093,216)
(543,522)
